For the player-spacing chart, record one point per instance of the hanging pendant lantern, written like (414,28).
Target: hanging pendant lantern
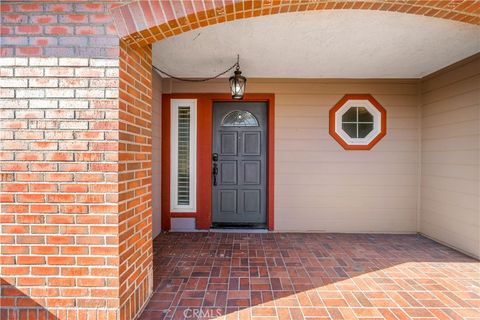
(237,83)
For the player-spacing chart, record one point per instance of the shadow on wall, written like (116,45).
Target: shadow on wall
(15,305)
(207,275)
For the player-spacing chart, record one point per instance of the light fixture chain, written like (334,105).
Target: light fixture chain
(200,79)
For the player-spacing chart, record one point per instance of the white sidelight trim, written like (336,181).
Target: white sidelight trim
(176,105)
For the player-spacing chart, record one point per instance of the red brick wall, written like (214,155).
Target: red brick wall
(75,148)
(58,28)
(59,153)
(75,165)
(135,179)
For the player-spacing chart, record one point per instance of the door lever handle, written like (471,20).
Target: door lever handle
(215,157)
(215,173)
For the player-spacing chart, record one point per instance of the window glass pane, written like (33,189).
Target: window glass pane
(364,129)
(350,129)
(183,156)
(350,115)
(364,115)
(239,118)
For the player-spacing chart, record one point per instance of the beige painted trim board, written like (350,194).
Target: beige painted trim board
(346,232)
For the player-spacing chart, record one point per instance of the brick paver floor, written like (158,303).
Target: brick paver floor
(310,276)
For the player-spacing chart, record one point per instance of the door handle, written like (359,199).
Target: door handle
(215,168)
(215,173)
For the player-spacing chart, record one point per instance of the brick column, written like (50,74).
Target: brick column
(75,152)
(135,179)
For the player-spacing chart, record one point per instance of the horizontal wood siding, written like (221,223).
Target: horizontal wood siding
(450,179)
(318,185)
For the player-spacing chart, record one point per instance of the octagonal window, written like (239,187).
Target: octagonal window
(357,122)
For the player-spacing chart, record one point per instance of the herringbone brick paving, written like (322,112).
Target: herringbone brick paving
(310,276)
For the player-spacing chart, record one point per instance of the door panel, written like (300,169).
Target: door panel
(227,202)
(252,172)
(252,143)
(228,172)
(251,201)
(228,142)
(239,194)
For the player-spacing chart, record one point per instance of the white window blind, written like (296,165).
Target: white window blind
(183,155)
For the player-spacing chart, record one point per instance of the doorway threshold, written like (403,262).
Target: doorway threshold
(240,230)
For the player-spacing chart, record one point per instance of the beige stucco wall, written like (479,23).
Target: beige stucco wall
(156,153)
(318,185)
(450,174)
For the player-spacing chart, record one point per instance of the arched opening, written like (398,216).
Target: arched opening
(140,25)
(82,144)
(143,23)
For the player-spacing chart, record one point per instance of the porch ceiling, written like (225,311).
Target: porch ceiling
(322,44)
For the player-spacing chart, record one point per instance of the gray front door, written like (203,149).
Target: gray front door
(239,164)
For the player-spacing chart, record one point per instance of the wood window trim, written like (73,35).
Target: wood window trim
(333,122)
(175,104)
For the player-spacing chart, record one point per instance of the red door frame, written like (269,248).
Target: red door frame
(205,101)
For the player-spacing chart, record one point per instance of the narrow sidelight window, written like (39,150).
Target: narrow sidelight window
(183,155)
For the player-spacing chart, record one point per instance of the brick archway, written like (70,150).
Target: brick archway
(141,23)
(77,143)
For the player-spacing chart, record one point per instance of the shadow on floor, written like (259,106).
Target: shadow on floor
(322,276)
